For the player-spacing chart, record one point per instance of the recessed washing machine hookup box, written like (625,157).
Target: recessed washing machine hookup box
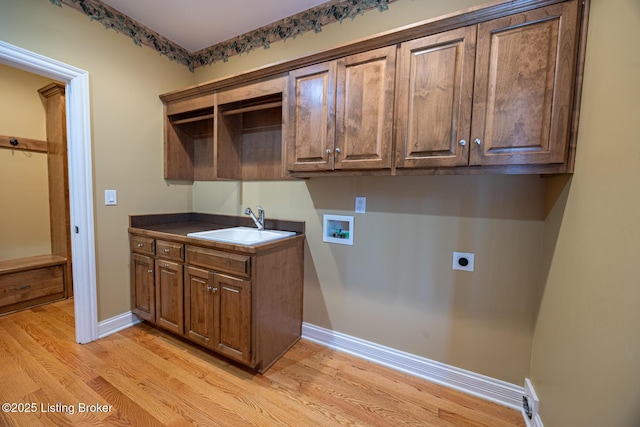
(337,229)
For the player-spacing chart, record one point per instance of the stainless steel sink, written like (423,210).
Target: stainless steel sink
(242,235)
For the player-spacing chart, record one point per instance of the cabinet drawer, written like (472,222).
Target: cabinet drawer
(142,245)
(240,265)
(170,250)
(31,284)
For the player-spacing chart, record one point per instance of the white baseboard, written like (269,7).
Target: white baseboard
(116,324)
(535,422)
(534,403)
(494,390)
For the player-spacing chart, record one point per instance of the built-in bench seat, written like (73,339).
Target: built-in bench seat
(30,281)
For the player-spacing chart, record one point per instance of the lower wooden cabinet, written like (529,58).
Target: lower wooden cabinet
(169,294)
(200,302)
(143,290)
(233,317)
(218,312)
(207,296)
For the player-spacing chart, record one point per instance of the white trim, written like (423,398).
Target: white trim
(117,323)
(80,179)
(537,421)
(534,401)
(494,390)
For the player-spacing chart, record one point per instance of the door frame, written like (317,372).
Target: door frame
(80,179)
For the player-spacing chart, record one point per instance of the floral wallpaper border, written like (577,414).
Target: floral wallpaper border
(309,20)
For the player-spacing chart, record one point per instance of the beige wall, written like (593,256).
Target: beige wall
(126,125)
(586,348)
(24,186)
(395,286)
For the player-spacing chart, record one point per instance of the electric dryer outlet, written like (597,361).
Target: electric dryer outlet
(463,261)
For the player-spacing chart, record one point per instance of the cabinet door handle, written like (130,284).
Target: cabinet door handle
(211,289)
(478,141)
(337,150)
(166,266)
(463,142)
(149,271)
(328,152)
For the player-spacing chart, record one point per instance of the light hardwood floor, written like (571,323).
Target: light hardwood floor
(144,377)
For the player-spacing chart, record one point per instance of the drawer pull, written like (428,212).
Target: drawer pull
(20,288)
(149,271)
(140,245)
(167,250)
(230,289)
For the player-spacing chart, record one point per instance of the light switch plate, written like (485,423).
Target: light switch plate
(110,197)
(361,204)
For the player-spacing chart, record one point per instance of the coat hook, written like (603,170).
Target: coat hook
(13,141)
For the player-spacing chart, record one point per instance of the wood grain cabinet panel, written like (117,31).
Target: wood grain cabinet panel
(142,245)
(200,302)
(233,317)
(525,67)
(169,295)
(435,88)
(143,300)
(311,135)
(170,250)
(341,115)
(364,110)
(497,93)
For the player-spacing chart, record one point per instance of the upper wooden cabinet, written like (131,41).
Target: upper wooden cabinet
(523,93)
(312,115)
(493,89)
(435,88)
(232,134)
(504,98)
(341,113)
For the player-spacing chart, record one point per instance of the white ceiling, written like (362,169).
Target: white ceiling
(196,24)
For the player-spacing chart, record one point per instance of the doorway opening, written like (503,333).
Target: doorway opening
(80,179)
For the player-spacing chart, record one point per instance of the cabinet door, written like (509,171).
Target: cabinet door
(200,302)
(364,110)
(233,319)
(311,135)
(523,92)
(435,88)
(143,302)
(169,296)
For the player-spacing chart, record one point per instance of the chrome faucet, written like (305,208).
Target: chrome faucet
(258,221)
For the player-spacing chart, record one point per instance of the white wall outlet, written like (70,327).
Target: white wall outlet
(361,204)
(463,261)
(530,405)
(110,197)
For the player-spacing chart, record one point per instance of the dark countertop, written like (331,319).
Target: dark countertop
(176,226)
